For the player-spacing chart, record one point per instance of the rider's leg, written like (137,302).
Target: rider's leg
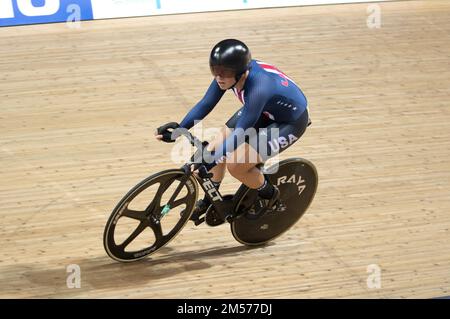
(247,172)
(242,165)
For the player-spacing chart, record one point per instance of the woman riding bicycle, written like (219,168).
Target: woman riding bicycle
(273,105)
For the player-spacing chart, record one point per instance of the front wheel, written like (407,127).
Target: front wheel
(148,216)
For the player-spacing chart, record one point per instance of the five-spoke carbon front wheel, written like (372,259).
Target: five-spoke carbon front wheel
(148,216)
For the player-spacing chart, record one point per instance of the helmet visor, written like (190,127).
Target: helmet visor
(222,71)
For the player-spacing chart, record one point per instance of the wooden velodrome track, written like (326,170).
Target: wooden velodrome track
(77,112)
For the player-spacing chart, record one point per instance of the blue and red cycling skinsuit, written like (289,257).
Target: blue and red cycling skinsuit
(271,100)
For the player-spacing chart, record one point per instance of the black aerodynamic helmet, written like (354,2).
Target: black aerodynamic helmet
(230,56)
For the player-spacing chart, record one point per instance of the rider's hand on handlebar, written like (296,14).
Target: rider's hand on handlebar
(165,133)
(158,136)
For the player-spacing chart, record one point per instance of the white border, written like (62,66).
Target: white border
(104,9)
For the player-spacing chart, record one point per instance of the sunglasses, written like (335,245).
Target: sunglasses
(223,72)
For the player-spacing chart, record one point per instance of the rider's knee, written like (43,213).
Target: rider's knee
(235,169)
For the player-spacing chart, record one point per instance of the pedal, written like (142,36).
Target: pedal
(196,216)
(199,221)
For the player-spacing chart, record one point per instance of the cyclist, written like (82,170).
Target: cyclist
(273,105)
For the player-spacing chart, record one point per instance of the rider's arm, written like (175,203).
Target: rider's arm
(255,100)
(202,108)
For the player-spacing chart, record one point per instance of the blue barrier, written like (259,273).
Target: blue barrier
(20,12)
